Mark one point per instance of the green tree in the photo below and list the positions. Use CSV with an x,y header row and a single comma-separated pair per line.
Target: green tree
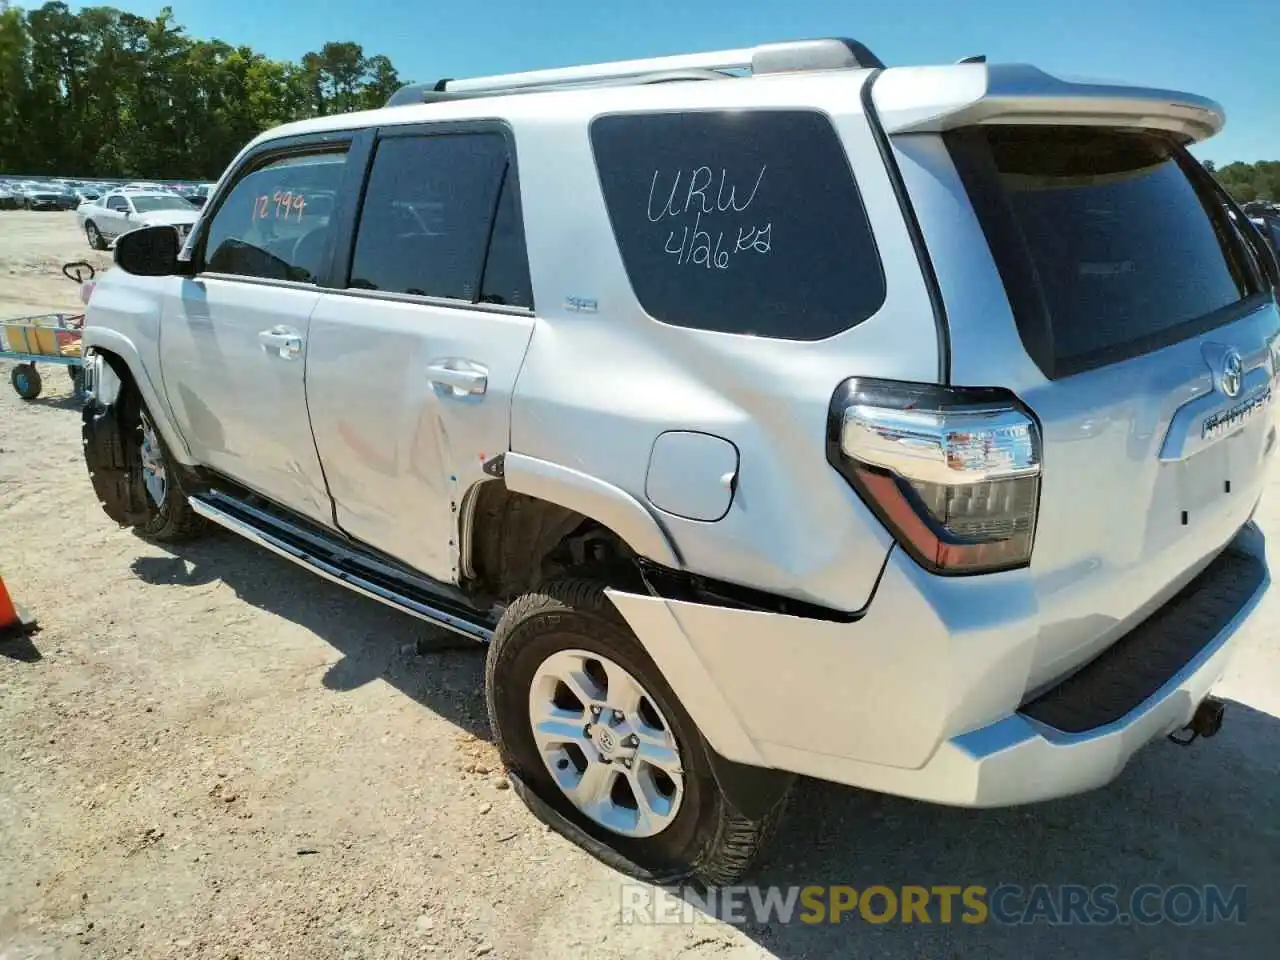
x,y
103,92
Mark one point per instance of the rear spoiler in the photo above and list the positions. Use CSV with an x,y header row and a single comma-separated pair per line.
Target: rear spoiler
x,y
935,99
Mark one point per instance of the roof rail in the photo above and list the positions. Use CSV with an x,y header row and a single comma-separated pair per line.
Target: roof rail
x,y
786,57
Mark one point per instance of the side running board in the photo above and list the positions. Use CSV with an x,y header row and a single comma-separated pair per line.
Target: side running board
x,y
339,562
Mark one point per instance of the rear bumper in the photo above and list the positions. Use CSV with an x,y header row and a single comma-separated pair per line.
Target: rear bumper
x,y
888,702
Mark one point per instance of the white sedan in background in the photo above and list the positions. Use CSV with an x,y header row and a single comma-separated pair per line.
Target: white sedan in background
x,y
120,211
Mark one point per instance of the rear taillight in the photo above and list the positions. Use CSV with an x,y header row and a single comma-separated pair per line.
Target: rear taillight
x,y
953,472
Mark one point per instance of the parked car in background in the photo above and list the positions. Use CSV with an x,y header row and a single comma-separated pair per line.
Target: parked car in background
x,y
87,195
8,199
1268,224
47,196
123,210
200,194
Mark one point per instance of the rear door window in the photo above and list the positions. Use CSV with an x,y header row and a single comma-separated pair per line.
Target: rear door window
x,y
739,222
427,218
1108,246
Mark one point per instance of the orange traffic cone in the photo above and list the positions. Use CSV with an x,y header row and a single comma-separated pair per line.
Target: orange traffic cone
x,y
12,621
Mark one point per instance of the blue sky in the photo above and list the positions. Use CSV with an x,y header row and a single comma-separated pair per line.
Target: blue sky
x,y
1227,50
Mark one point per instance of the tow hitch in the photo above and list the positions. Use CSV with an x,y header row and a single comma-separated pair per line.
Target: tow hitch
x,y
1205,722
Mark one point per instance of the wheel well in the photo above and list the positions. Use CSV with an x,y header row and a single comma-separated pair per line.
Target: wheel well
x,y
106,393
511,542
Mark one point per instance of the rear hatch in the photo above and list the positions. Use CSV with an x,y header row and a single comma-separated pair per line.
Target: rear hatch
x,y
1140,330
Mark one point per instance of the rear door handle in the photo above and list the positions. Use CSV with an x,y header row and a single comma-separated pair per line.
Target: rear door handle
x,y
463,378
284,342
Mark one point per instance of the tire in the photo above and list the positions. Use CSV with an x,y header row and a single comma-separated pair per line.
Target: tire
x,y
114,440
26,381
94,235
707,839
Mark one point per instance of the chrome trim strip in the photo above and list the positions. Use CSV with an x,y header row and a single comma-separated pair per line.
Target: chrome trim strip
x,y
357,584
963,445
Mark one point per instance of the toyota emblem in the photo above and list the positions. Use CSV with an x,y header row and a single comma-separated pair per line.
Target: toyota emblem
x,y
1232,373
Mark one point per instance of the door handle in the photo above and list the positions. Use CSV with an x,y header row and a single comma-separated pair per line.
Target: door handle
x,y
286,343
462,377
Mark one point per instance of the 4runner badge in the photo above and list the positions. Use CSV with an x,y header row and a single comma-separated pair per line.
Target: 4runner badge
x,y
1229,420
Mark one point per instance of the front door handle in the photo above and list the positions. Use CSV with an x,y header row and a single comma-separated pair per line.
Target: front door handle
x,y
284,342
463,378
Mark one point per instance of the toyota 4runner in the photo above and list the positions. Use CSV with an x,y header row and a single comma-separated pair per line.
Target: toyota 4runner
x,y
767,412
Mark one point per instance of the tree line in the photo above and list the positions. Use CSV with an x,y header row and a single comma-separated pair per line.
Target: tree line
x,y
105,93
1249,181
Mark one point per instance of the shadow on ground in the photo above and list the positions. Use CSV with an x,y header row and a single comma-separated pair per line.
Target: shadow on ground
x,y
21,647
64,401
1200,816
439,669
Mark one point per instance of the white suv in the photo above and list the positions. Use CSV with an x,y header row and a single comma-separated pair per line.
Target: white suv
x,y
769,412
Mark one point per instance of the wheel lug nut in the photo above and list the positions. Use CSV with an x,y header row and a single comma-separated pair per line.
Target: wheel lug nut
x,y
632,741
618,716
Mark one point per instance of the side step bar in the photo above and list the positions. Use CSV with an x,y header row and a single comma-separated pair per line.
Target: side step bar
x,y
340,564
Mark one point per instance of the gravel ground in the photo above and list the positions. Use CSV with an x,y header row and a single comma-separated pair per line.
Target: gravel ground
x,y
207,752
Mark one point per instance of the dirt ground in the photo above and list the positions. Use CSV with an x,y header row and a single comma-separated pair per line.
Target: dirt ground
x,y
207,752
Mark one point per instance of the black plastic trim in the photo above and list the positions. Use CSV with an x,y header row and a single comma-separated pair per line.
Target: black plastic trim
x,y
1140,663
684,586
899,185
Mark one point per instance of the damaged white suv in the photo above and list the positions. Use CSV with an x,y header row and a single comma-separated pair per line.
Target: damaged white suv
x,y
768,412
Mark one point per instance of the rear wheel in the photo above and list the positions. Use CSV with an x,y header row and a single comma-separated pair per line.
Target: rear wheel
x,y
584,718
26,381
94,236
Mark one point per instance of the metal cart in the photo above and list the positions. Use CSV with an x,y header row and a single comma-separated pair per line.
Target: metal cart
x,y
45,338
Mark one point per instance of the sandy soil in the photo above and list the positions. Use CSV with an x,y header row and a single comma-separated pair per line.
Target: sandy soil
x,y
207,752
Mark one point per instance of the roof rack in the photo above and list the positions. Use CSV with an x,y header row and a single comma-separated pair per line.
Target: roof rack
x,y
835,53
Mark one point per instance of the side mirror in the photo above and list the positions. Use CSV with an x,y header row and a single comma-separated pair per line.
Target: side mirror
x,y
149,251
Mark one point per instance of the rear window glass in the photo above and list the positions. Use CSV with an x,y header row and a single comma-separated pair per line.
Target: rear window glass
x,y
739,222
1120,247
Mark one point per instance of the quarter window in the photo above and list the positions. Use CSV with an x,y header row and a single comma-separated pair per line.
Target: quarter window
x,y
275,222
429,216
739,222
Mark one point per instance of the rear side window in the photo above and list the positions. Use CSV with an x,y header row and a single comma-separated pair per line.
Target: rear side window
x,y
1107,245
432,208
739,222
